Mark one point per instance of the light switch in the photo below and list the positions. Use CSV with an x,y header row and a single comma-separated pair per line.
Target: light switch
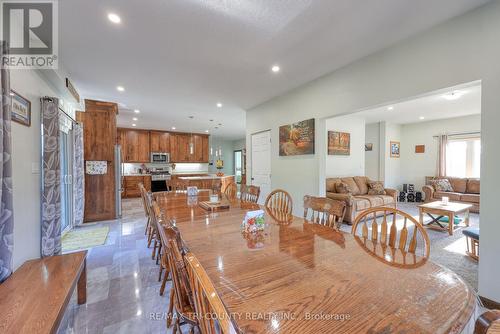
x,y
35,168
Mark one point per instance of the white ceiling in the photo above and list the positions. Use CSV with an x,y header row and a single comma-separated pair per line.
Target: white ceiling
x,y
432,107
177,58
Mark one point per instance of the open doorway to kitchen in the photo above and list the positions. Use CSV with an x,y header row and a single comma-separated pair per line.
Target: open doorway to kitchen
x,y
238,166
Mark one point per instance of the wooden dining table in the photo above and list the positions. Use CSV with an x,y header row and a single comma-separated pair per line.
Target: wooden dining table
x,y
299,277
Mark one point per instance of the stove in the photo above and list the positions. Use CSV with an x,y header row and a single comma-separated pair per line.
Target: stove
x,y
158,178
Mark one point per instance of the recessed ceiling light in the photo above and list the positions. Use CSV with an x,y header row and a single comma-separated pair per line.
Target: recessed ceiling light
x,y
173,128
137,111
421,118
219,105
135,119
275,68
114,18
453,95
390,108
206,131
120,88
11,94
134,124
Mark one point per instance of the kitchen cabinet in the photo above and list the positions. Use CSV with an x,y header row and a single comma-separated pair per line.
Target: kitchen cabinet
x,y
131,185
159,141
137,145
134,145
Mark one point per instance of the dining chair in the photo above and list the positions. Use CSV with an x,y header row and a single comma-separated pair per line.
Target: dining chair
x,y
216,186
231,191
143,192
279,200
488,323
392,228
181,294
206,300
250,193
155,237
324,211
176,185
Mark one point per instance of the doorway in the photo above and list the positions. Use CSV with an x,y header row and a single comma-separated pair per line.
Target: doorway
x,y
238,166
66,170
261,163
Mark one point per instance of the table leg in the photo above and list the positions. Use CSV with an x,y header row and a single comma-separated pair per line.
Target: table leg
x,y
467,215
451,223
82,285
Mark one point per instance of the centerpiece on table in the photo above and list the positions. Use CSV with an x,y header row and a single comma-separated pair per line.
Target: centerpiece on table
x,y
253,222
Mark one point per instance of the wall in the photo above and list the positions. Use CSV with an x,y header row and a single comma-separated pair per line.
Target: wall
x,y
372,158
353,164
416,166
227,155
25,156
461,50
392,165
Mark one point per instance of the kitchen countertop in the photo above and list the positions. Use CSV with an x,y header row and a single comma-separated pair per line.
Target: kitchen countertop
x,y
208,177
137,174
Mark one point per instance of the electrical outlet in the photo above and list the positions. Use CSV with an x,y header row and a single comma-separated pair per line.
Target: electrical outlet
x,y
35,168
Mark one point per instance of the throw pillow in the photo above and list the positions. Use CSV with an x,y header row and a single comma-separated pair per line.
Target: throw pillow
x,y
442,185
376,188
343,188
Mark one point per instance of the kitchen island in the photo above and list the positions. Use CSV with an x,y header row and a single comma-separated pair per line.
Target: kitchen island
x,y
206,181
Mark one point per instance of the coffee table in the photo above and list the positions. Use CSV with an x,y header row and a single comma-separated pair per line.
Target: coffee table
x,y
437,210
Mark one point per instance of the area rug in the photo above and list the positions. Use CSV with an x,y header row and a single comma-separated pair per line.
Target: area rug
x,y
84,237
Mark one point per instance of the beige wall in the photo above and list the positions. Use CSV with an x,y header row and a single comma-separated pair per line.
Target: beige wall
x,y
461,50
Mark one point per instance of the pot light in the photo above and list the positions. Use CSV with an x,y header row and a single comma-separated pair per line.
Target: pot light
x,y
120,88
137,111
390,108
135,119
453,95
275,68
134,125
219,105
114,18
206,131
173,128
421,118
11,94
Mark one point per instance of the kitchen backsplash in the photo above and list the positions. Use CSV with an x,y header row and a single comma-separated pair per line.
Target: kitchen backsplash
x,y
133,168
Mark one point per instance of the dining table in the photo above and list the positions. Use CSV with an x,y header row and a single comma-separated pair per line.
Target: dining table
x,y
299,277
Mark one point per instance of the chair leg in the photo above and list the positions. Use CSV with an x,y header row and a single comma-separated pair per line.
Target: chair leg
x,y
170,308
153,254
150,237
160,272
147,227
164,282
158,253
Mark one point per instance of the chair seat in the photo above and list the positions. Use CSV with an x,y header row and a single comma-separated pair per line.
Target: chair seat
x,y
472,232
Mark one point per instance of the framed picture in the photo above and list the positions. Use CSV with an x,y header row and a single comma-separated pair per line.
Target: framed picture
x,y
419,148
369,147
297,138
339,143
395,148
20,109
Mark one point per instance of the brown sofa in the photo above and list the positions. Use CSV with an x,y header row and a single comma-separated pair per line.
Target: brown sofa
x,y
465,190
359,200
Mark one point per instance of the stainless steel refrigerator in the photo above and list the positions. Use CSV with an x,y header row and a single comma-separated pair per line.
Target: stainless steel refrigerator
x,y
118,180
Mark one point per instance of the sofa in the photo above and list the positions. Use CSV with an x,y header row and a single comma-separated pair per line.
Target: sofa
x,y
358,199
465,190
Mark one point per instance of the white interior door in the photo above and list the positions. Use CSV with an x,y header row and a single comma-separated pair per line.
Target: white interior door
x,y
261,163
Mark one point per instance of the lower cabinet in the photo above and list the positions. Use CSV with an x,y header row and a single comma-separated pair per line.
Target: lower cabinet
x,y
131,185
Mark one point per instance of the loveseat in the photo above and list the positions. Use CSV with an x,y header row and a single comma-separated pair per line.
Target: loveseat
x,y
464,190
358,199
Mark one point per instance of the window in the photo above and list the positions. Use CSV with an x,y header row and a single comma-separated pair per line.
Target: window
x,y
463,157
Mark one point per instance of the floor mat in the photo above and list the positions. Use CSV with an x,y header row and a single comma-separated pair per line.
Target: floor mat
x,y
84,237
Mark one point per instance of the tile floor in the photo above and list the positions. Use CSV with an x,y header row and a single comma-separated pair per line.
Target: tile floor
x,y
122,279
122,283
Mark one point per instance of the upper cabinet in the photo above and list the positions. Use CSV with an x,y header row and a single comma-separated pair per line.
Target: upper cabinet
x,y
159,141
138,144
134,145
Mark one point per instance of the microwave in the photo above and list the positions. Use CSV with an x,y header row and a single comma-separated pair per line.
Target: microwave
x,y
160,158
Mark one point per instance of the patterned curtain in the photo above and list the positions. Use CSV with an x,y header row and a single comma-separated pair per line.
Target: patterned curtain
x,y
78,176
51,176
6,217
443,141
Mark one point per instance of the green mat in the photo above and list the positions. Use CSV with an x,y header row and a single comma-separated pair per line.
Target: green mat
x,y
457,220
84,237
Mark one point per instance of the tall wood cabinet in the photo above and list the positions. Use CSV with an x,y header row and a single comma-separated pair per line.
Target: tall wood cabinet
x,y
99,133
159,141
134,145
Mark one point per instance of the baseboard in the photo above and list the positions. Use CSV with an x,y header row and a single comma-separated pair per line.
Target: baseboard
x,y
490,304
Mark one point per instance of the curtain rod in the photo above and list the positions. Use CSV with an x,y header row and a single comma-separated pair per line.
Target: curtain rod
x,y
460,134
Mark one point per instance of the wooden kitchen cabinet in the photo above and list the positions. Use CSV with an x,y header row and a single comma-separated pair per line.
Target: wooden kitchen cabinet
x,y
131,185
179,148
134,145
159,141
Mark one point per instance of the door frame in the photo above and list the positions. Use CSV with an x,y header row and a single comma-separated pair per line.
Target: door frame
x,y
251,158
